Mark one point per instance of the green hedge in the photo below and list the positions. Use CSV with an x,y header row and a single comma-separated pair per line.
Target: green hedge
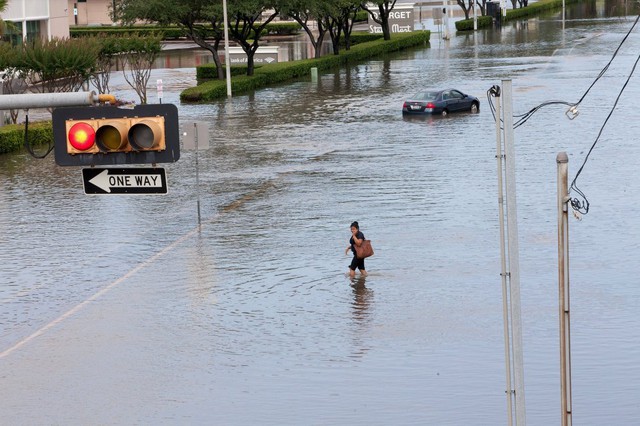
x,y
537,8
167,33
523,12
209,71
362,15
358,37
175,32
286,71
467,24
12,135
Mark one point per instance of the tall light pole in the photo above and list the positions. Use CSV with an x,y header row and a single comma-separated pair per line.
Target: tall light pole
x,y
227,61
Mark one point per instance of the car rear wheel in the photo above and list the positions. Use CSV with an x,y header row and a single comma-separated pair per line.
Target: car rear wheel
x,y
474,108
444,113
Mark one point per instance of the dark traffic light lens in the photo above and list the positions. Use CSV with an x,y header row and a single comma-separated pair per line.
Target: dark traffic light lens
x,y
141,136
147,134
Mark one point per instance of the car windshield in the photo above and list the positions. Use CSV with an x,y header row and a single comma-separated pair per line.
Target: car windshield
x,y
425,96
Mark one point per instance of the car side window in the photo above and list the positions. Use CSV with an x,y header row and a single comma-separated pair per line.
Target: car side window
x,y
445,96
456,94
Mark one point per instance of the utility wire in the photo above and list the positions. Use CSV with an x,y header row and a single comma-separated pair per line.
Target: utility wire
x,y
580,204
522,118
27,143
606,67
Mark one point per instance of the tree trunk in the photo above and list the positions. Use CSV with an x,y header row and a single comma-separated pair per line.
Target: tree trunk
x,y
250,65
318,46
322,31
384,18
385,29
214,53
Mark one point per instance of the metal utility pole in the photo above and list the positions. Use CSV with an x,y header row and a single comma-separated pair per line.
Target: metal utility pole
x,y
227,60
503,261
445,19
514,338
475,16
562,161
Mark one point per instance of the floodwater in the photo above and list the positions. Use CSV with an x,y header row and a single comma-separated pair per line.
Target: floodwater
x,y
121,310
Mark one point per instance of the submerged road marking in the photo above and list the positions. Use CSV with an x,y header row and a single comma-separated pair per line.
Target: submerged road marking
x,y
100,292
223,209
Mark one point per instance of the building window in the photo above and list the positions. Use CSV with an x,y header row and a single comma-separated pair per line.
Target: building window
x,y
33,30
13,34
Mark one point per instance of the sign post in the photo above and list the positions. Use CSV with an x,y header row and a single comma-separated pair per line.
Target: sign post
x,y
196,136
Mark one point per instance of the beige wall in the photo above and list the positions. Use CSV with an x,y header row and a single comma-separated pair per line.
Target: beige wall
x,y
51,15
58,19
93,12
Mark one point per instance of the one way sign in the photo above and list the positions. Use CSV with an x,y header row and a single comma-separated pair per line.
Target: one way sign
x,y
124,181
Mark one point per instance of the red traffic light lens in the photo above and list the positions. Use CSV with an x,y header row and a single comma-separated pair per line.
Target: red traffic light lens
x,y
82,136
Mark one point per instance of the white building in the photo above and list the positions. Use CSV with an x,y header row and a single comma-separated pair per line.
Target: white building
x,y
38,18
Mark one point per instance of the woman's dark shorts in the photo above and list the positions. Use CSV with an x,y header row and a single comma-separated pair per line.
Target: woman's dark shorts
x,y
357,263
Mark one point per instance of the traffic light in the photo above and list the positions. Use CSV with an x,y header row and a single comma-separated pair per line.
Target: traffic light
x,y
103,135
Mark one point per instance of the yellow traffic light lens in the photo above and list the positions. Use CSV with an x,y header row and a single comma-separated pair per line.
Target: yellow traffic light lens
x,y
110,138
82,136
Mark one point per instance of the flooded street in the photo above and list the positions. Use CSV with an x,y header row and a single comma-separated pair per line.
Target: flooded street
x,y
122,310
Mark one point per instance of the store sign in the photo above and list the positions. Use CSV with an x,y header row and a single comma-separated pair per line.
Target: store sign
x,y
401,19
263,56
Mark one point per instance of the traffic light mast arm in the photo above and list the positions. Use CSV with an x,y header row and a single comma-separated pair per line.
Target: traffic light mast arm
x,y
51,100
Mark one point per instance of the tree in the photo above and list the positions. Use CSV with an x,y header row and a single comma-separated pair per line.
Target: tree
x,y
483,6
200,20
3,7
338,17
247,20
58,65
349,10
138,53
466,7
12,74
303,12
381,16
334,21
107,58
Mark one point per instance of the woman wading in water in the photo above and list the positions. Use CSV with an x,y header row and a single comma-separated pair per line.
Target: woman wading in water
x,y
357,238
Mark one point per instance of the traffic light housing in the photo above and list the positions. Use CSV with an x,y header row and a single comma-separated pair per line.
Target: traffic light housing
x,y
107,135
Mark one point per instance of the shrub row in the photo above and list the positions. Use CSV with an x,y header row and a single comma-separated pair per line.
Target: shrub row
x,y
362,37
12,135
175,32
537,8
286,71
361,15
523,12
467,24
209,71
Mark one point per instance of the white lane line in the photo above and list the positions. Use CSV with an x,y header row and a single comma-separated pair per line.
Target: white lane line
x,y
98,294
129,274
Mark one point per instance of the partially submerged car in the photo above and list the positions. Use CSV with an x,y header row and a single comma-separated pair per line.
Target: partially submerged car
x,y
440,102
